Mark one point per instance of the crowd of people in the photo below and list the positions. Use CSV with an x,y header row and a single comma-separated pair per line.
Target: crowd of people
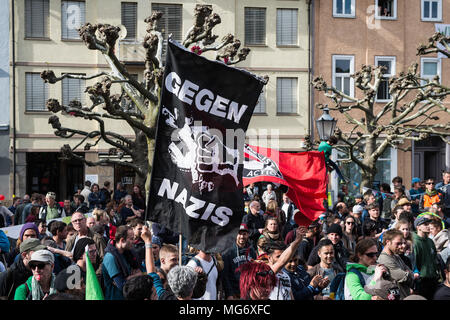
x,y
379,245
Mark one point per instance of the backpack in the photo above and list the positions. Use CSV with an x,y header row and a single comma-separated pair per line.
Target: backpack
x,y
338,283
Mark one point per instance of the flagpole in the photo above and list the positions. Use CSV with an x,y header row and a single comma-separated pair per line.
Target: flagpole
x,y
180,241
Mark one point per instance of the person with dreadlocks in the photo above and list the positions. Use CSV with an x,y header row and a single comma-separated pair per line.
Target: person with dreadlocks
x,y
257,281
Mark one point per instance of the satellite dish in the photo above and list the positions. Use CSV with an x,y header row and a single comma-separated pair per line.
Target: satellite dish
x,y
122,32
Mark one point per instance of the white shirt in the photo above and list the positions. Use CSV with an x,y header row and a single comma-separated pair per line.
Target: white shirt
x,y
282,290
211,289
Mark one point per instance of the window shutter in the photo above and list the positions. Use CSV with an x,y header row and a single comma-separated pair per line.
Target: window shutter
x,y
36,92
287,26
36,18
286,95
73,89
73,16
170,22
129,18
255,25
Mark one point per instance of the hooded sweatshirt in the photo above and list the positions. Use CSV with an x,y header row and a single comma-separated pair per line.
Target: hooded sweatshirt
x,y
232,259
425,253
353,288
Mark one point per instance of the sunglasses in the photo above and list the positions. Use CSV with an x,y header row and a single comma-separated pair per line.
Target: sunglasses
x,y
40,266
264,273
430,183
350,223
371,254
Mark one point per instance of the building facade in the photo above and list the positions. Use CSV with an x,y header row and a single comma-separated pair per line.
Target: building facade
x,y
277,32
350,33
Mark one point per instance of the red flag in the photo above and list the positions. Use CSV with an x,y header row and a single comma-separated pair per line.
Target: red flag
x,y
304,173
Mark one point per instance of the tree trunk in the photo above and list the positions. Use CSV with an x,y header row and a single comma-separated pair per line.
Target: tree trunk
x,y
370,170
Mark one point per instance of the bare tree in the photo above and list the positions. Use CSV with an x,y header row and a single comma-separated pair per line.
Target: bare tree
x,y
137,105
414,111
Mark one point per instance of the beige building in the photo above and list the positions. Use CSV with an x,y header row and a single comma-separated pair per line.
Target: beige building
x,y
350,33
46,38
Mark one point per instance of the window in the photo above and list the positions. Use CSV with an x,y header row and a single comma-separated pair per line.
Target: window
x,y
36,92
36,18
387,9
431,10
343,67
73,89
170,22
386,168
73,16
383,90
261,104
429,68
344,8
129,18
286,95
255,26
287,27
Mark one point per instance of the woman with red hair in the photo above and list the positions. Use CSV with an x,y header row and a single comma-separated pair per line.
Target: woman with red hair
x,y
257,281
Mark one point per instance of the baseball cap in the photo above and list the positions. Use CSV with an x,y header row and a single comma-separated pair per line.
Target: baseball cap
x,y
42,256
414,180
358,209
359,196
31,244
385,289
243,227
50,195
421,220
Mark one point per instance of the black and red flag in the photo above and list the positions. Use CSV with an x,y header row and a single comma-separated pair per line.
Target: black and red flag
x,y
304,173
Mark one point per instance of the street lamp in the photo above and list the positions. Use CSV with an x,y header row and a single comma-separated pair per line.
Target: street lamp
x,y
325,125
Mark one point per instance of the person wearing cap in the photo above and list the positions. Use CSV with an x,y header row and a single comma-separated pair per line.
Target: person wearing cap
x,y
28,230
19,271
73,278
51,209
156,246
42,283
240,253
425,255
341,254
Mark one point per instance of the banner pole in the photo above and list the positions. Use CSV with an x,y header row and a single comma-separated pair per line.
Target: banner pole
x,y
180,241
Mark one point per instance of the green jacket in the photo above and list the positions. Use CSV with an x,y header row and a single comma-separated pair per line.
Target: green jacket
x,y
21,291
326,149
426,257
353,284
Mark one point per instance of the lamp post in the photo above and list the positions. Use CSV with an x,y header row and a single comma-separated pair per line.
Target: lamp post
x,y
325,124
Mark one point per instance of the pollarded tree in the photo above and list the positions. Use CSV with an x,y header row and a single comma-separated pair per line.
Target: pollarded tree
x,y
138,102
417,109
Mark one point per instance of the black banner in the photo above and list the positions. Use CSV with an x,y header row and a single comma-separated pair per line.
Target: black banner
x,y
196,184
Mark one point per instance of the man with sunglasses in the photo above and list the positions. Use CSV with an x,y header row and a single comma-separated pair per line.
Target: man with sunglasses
x,y
430,197
425,255
42,283
19,271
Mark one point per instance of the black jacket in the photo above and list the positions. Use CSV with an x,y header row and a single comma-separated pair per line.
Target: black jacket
x,y
341,255
10,279
232,259
253,223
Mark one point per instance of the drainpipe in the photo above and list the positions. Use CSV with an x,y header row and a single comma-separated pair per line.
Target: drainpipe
x,y
13,31
311,66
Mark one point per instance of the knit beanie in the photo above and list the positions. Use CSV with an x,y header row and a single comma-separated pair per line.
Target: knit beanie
x,y
26,226
79,249
335,228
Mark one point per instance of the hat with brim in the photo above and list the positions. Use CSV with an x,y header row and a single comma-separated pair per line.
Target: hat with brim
x,y
31,244
243,227
42,256
403,201
415,180
421,220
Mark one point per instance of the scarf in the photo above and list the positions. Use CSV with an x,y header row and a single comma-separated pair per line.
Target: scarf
x,y
36,290
111,248
431,193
